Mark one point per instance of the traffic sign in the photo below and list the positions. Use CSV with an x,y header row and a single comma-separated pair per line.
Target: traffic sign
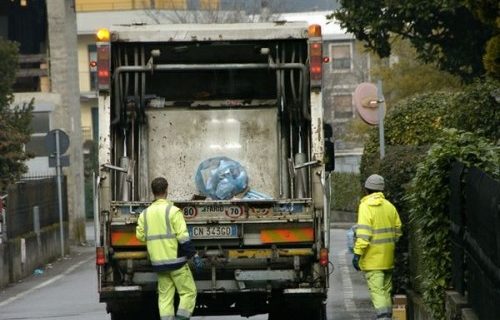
x,y
50,141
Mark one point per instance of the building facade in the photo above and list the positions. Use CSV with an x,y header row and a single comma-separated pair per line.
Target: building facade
x,y
48,75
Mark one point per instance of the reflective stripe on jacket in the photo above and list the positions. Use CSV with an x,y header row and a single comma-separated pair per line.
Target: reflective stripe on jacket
x,y
377,231
164,230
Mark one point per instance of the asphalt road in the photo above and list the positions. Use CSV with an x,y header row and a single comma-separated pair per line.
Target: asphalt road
x,y
67,290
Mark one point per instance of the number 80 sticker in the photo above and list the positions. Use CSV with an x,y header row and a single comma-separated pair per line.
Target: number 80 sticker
x,y
189,212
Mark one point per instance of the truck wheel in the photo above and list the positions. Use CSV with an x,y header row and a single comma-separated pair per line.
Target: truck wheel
x,y
318,311
118,316
315,311
131,316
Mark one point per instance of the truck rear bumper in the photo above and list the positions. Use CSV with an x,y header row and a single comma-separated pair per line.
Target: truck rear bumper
x,y
246,302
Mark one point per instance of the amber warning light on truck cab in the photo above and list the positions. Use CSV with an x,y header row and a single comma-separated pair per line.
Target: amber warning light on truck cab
x,y
315,55
102,35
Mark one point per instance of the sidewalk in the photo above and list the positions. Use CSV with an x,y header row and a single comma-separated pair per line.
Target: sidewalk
x,y
77,256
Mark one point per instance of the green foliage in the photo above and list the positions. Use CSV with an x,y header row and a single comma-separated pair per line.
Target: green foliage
x,y
399,166
478,105
449,33
14,121
492,57
417,120
8,69
346,191
427,203
413,121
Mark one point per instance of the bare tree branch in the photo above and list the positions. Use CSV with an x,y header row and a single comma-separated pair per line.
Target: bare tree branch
x,y
212,11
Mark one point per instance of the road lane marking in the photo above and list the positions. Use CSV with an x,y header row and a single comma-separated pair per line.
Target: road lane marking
x,y
44,284
347,286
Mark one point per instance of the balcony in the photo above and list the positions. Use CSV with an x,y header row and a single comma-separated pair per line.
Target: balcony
x,y
33,74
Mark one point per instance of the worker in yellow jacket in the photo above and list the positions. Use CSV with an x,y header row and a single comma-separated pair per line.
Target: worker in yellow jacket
x,y
377,231
163,228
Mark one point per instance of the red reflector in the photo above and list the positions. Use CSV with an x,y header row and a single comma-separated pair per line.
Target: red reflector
x,y
315,69
100,257
323,257
103,73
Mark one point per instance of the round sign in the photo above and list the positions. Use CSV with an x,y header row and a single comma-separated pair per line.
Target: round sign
x,y
366,103
50,141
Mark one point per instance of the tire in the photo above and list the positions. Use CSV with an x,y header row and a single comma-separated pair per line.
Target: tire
x,y
318,311
119,316
134,315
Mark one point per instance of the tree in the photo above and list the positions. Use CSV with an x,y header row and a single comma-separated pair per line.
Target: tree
x,y
14,120
451,33
403,75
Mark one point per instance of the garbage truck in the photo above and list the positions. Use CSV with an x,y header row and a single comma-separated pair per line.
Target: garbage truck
x,y
174,97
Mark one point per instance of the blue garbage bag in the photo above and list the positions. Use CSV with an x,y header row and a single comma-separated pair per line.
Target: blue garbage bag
x,y
221,178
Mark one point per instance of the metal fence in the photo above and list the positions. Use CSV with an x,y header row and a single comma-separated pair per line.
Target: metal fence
x,y
32,197
475,229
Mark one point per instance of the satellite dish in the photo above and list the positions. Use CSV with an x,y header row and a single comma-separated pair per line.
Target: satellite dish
x,y
365,101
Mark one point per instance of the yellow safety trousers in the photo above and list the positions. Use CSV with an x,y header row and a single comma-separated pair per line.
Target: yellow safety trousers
x,y
380,286
182,280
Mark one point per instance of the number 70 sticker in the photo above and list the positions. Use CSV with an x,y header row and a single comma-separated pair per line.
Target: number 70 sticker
x,y
234,211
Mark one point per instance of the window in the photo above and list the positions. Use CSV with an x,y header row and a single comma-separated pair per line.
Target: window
x,y
92,49
343,106
341,55
40,125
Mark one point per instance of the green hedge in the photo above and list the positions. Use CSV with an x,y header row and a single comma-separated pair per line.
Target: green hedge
x,y
346,191
427,201
475,109
399,167
414,121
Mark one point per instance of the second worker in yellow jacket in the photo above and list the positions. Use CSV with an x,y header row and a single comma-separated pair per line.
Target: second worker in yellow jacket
x,y
377,231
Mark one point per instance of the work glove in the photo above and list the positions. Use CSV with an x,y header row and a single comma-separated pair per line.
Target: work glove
x,y
355,261
198,263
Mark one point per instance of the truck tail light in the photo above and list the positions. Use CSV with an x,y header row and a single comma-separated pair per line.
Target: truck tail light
x,y
100,256
103,65
323,257
315,55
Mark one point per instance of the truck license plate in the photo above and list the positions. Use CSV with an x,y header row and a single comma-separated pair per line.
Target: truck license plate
x,y
213,232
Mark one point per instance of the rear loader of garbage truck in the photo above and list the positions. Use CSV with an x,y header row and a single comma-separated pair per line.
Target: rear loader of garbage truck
x,y
232,116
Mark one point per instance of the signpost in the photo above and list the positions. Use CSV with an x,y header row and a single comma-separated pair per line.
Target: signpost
x,y
57,143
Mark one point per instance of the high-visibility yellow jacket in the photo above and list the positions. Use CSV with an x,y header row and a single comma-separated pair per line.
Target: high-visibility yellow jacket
x,y
377,231
163,228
